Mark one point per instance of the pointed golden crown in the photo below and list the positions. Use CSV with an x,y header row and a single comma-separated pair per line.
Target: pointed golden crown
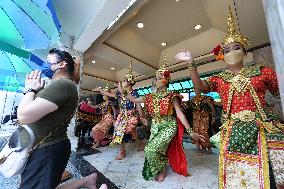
x,y
163,69
232,35
129,76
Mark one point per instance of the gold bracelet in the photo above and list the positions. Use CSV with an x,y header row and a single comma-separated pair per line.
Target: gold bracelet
x,y
189,130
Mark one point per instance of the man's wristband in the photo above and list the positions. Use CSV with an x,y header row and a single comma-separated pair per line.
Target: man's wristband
x,y
30,90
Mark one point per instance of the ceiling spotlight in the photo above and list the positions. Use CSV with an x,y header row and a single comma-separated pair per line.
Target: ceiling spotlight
x,y
197,27
112,68
176,1
163,44
140,25
93,61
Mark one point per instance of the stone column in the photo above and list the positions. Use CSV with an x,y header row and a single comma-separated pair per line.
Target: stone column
x,y
274,13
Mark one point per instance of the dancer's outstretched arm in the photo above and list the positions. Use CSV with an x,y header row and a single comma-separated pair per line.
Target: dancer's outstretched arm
x,y
109,94
186,56
129,96
184,121
135,100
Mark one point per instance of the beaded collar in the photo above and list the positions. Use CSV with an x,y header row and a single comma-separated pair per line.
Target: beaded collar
x,y
247,71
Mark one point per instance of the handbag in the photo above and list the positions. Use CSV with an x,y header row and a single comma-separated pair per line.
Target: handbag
x,y
14,155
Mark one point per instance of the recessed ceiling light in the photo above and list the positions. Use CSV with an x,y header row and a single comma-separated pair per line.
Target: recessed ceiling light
x,y
163,44
140,25
112,68
197,27
177,1
93,61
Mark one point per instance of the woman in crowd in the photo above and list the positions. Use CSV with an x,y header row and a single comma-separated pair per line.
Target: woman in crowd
x,y
48,111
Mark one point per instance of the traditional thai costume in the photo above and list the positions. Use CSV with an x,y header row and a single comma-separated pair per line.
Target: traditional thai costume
x,y
165,143
100,130
201,118
251,137
125,125
127,120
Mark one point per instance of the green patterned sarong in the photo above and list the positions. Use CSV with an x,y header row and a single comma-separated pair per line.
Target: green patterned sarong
x,y
155,151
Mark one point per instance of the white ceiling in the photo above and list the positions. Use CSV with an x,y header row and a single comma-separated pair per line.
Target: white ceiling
x,y
86,19
169,21
166,20
74,15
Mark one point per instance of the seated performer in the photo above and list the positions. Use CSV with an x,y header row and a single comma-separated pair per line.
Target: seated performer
x,y
100,130
165,143
87,117
252,144
87,106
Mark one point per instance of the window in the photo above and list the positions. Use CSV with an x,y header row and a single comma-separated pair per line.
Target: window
x,y
186,84
171,87
140,92
182,86
146,91
177,86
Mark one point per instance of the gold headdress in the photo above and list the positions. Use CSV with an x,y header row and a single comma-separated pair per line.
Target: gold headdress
x,y
129,76
164,70
232,35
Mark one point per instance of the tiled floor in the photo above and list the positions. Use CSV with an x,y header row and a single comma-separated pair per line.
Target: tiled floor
x,y
126,174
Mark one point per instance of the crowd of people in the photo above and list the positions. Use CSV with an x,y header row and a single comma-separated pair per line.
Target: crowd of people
x,y
251,138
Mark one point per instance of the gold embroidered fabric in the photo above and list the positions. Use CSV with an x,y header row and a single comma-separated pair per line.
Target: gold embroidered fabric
x,y
248,71
240,83
157,118
245,115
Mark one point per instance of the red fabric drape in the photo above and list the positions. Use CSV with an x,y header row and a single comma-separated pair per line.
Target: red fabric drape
x,y
175,153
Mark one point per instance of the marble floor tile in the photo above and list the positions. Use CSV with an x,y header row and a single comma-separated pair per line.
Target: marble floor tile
x,y
127,173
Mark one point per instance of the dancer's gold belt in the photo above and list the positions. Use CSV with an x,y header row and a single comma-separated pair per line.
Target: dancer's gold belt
x,y
245,115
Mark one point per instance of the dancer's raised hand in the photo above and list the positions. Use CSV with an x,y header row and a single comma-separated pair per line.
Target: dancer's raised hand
x,y
184,55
